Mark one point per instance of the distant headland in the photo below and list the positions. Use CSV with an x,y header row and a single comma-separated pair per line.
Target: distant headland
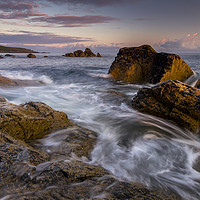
x,y
4,49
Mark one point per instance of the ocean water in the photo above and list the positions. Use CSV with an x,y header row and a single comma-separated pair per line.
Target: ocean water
x,y
133,146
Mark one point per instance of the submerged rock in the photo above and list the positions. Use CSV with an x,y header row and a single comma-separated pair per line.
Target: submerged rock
x,y
10,55
144,65
30,55
7,82
80,53
30,120
173,100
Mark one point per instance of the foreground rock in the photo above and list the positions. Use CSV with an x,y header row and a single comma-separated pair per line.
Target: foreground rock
x,y
144,65
80,53
30,120
30,55
173,100
26,173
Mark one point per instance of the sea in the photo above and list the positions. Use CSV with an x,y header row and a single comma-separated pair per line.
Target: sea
x,y
133,146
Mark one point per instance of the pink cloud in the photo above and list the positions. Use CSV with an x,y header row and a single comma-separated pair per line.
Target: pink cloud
x,y
188,43
17,6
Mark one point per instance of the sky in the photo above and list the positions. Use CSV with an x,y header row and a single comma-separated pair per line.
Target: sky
x,y
102,25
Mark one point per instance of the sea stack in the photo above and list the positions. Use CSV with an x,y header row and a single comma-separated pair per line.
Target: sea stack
x,y
144,65
80,53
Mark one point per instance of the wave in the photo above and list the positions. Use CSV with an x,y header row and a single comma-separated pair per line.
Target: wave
x,y
24,75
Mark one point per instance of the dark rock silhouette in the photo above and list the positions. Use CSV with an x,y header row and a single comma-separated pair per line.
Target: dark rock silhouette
x,y
30,55
80,53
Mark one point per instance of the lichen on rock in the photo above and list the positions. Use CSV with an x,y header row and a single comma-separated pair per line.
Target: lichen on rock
x,y
144,65
173,100
30,120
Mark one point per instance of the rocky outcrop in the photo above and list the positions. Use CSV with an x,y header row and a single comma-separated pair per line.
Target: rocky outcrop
x,y
198,84
89,53
30,120
173,100
58,171
26,173
30,55
99,55
144,65
10,55
80,53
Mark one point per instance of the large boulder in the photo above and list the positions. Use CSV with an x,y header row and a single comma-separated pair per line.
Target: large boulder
x,y
173,100
30,120
144,65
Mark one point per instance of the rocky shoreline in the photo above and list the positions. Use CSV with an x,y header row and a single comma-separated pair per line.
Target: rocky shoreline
x,y
65,171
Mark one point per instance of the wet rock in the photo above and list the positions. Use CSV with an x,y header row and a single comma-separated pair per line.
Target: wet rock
x,y
24,170
198,84
1,56
30,55
144,65
99,55
76,142
106,187
10,55
14,153
30,120
173,100
46,56
7,82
